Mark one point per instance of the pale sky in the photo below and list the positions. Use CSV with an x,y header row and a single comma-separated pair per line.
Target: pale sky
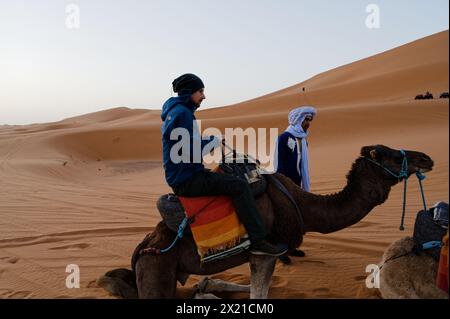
x,y
126,53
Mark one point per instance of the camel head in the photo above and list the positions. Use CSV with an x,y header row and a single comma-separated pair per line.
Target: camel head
x,y
392,159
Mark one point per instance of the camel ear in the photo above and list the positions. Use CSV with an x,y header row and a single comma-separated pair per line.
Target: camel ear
x,y
371,151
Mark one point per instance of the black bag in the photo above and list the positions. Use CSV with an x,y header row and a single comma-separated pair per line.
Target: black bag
x,y
431,225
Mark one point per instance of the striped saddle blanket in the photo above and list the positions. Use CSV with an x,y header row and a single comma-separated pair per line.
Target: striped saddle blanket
x,y
215,226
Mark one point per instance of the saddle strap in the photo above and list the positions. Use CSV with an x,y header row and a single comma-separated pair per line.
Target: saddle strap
x,y
284,190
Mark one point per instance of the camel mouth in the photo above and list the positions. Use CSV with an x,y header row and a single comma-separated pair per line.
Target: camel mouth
x,y
424,170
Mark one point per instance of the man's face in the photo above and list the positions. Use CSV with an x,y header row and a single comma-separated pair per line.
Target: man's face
x,y
198,96
306,123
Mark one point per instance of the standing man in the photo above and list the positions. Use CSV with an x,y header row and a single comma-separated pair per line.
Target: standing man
x,y
189,177
292,154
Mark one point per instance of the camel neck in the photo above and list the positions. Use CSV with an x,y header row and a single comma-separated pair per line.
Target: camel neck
x,y
367,187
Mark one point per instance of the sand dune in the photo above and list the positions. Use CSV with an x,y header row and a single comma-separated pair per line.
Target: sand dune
x,y
83,190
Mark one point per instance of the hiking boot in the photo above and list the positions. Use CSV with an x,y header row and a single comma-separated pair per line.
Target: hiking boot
x,y
297,253
263,247
285,259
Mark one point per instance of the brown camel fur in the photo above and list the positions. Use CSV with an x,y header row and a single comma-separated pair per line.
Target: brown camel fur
x,y
368,185
409,277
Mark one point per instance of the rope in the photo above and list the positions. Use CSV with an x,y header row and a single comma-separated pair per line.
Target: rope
x,y
415,250
179,235
157,251
283,189
431,244
420,178
404,174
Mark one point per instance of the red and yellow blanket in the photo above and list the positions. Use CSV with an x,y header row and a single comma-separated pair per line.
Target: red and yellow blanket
x,y
214,223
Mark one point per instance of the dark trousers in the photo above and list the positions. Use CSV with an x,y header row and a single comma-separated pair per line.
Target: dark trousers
x,y
206,183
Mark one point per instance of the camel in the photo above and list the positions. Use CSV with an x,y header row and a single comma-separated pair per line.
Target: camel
x,y
428,96
412,276
368,185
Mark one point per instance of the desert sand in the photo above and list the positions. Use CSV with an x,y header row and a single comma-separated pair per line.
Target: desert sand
x,y
83,190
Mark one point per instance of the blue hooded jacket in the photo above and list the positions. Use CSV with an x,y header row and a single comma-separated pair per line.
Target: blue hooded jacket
x,y
178,113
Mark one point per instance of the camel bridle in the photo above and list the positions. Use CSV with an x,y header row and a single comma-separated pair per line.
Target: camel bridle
x,y
403,174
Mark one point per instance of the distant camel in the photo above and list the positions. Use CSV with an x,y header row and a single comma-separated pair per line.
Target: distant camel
x,y
426,96
368,185
444,95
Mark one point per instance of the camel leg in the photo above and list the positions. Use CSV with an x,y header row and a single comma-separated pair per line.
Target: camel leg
x,y
207,285
218,285
200,295
156,276
261,268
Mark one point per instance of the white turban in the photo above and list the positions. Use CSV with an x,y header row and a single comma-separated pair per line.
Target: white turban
x,y
296,116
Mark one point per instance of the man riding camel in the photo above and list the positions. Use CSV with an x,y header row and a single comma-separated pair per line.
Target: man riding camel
x,y
292,154
189,178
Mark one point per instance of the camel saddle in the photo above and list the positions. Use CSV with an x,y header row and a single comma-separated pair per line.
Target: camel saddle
x,y
173,212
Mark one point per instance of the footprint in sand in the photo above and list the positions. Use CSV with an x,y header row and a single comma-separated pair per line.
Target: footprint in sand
x,y
359,278
4,293
278,281
92,284
2,270
321,291
314,262
20,295
10,260
11,294
71,247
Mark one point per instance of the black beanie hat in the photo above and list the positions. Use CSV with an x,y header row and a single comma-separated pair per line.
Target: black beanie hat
x,y
187,84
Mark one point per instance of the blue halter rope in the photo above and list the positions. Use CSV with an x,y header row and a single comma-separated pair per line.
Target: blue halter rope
x,y
179,235
404,174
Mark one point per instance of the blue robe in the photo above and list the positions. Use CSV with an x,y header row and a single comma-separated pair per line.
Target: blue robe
x,y
288,159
